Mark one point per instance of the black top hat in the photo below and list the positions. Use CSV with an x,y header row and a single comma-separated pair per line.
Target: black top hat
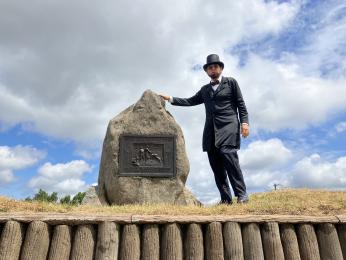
x,y
213,59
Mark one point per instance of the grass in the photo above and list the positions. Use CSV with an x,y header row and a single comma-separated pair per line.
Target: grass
x,y
280,202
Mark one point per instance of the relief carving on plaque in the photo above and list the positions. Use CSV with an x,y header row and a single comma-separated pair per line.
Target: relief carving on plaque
x,y
142,155
145,157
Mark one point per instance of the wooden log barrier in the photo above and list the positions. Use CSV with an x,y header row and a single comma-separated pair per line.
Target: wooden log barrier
x,y
193,242
271,241
252,242
92,218
214,241
11,240
150,242
342,238
328,242
307,241
60,247
130,243
289,242
167,237
232,241
36,242
171,247
84,243
107,240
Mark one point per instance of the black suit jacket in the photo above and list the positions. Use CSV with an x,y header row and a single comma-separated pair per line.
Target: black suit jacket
x,y
222,108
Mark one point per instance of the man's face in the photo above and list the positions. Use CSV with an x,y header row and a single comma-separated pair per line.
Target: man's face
x,y
214,71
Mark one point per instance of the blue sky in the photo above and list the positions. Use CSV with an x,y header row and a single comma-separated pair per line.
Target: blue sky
x,y
67,68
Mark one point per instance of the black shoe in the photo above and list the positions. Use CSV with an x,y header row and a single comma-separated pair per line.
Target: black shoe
x,y
243,200
223,202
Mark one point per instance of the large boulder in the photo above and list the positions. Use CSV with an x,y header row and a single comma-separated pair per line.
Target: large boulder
x,y
146,117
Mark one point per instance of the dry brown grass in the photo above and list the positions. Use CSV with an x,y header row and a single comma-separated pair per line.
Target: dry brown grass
x,y
281,202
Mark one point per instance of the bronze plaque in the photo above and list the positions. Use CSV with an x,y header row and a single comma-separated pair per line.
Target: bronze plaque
x,y
147,155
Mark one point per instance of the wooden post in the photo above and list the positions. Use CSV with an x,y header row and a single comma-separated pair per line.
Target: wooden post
x,y
130,243
307,240
193,242
271,241
328,242
150,242
36,243
213,241
342,238
252,242
60,247
232,241
11,240
171,242
84,243
289,242
107,240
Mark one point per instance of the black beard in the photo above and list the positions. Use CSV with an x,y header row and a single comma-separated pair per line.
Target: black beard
x,y
214,76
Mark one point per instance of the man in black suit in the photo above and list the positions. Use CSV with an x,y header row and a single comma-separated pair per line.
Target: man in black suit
x,y
224,106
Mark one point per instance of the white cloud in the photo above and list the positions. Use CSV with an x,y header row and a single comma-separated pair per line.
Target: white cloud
x,y
62,178
314,171
311,171
269,154
265,179
289,93
325,50
299,88
340,127
268,162
6,176
279,96
271,162
73,169
69,67
262,161
63,77
17,158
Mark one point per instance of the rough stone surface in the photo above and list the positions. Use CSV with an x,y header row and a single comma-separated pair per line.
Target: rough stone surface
x,y
91,197
146,117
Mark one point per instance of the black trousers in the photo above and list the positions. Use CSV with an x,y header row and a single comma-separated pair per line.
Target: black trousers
x,y
224,162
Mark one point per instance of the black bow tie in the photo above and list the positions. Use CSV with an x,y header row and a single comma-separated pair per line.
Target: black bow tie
x,y
216,82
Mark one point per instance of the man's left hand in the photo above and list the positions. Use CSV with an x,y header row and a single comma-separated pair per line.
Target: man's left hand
x,y
245,130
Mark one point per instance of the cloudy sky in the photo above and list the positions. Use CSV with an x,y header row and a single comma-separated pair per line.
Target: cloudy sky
x,y
68,67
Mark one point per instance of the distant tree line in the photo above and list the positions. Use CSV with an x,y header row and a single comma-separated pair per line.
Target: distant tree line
x,y
42,195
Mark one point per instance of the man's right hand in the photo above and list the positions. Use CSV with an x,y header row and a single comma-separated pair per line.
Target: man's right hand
x,y
165,97
245,130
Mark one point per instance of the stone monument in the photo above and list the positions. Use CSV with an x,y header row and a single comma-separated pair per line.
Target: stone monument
x,y
143,157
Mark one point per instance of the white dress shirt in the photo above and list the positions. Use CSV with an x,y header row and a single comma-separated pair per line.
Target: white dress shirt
x,y
216,86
